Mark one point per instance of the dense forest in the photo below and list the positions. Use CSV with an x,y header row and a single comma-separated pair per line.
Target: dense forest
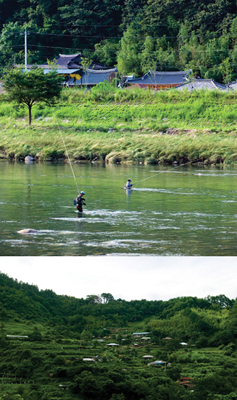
x,y
101,348
135,35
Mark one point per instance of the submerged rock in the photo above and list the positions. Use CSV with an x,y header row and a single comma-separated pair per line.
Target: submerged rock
x,y
27,231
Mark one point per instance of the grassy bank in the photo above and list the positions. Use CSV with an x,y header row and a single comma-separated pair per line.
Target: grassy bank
x,y
130,125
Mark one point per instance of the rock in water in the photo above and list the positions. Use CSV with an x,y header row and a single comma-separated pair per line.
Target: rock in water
x,y
29,159
26,231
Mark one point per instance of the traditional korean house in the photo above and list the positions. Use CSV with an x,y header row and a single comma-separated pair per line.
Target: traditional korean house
x,y
92,77
198,84
71,67
160,79
74,61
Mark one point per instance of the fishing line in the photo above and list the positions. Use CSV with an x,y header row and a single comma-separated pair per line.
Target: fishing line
x,y
145,179
67,154
152,176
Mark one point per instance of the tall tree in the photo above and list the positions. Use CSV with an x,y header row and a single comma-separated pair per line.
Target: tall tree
x,y
128,55
27,88
107,297
11,44
93,299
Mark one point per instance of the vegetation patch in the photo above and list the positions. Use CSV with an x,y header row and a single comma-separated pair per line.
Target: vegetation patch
x,y
167,127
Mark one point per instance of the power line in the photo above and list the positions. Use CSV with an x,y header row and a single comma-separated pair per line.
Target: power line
x,y
73,36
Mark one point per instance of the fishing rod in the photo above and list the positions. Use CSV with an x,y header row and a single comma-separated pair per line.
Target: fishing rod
x,y
67,154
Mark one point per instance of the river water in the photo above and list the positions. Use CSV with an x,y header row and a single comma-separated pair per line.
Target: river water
x,y
171,211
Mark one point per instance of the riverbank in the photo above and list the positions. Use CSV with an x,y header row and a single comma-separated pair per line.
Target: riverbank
x,y
132,125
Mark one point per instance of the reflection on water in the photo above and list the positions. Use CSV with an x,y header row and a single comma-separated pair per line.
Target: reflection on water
x,y
175,211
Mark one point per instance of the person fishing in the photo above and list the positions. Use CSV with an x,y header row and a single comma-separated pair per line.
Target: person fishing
x,y
80,201
129,184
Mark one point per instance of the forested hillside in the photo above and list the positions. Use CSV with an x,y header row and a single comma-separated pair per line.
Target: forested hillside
x,y
135,35
186,317
101,348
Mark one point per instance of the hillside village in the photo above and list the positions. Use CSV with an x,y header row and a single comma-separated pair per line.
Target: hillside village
x,y
71,68
62,347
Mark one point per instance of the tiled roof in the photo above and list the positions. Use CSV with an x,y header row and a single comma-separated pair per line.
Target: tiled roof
x,y
201,84
71,61
161,78
63,60
233,85
74,61
93,77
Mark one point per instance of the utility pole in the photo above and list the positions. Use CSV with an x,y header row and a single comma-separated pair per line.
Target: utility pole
x,y
25,49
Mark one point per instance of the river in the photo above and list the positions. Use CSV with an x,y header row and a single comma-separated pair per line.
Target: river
x,y
171,211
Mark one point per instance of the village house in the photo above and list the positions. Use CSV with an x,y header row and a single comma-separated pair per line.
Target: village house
x,y
159,363
112,344
92,77
186,382
197,84
147,357
140,334
159,79
16,337
70,66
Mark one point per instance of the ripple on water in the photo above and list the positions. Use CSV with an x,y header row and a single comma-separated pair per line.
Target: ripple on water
x,y
14,242
194,214
220,174
229,201
58,232
111,213
168,191
68,243
124,243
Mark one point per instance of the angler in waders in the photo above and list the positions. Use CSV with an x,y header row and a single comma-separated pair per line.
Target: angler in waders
x,y
80,201
129,184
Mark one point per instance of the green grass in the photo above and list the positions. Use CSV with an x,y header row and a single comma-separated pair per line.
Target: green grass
x,y
130,125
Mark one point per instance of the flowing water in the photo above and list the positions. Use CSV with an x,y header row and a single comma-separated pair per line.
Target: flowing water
x,y
171,211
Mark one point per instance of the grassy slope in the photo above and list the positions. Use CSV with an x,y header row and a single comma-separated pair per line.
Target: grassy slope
x,y
129,125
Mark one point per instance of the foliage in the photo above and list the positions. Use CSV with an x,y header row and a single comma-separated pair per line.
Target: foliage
x,y
105,52
135,35
128,55
31,87
113,125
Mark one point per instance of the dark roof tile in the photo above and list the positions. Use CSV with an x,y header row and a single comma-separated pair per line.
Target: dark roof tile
x,y
161,78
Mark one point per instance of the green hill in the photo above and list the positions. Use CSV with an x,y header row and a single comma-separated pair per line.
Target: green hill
x,y
60,347
135,35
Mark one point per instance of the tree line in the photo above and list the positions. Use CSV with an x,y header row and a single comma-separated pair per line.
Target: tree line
x,y
134,35
209,321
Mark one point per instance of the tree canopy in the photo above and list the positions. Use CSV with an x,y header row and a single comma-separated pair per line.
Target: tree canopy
x,y
27,88
133,34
